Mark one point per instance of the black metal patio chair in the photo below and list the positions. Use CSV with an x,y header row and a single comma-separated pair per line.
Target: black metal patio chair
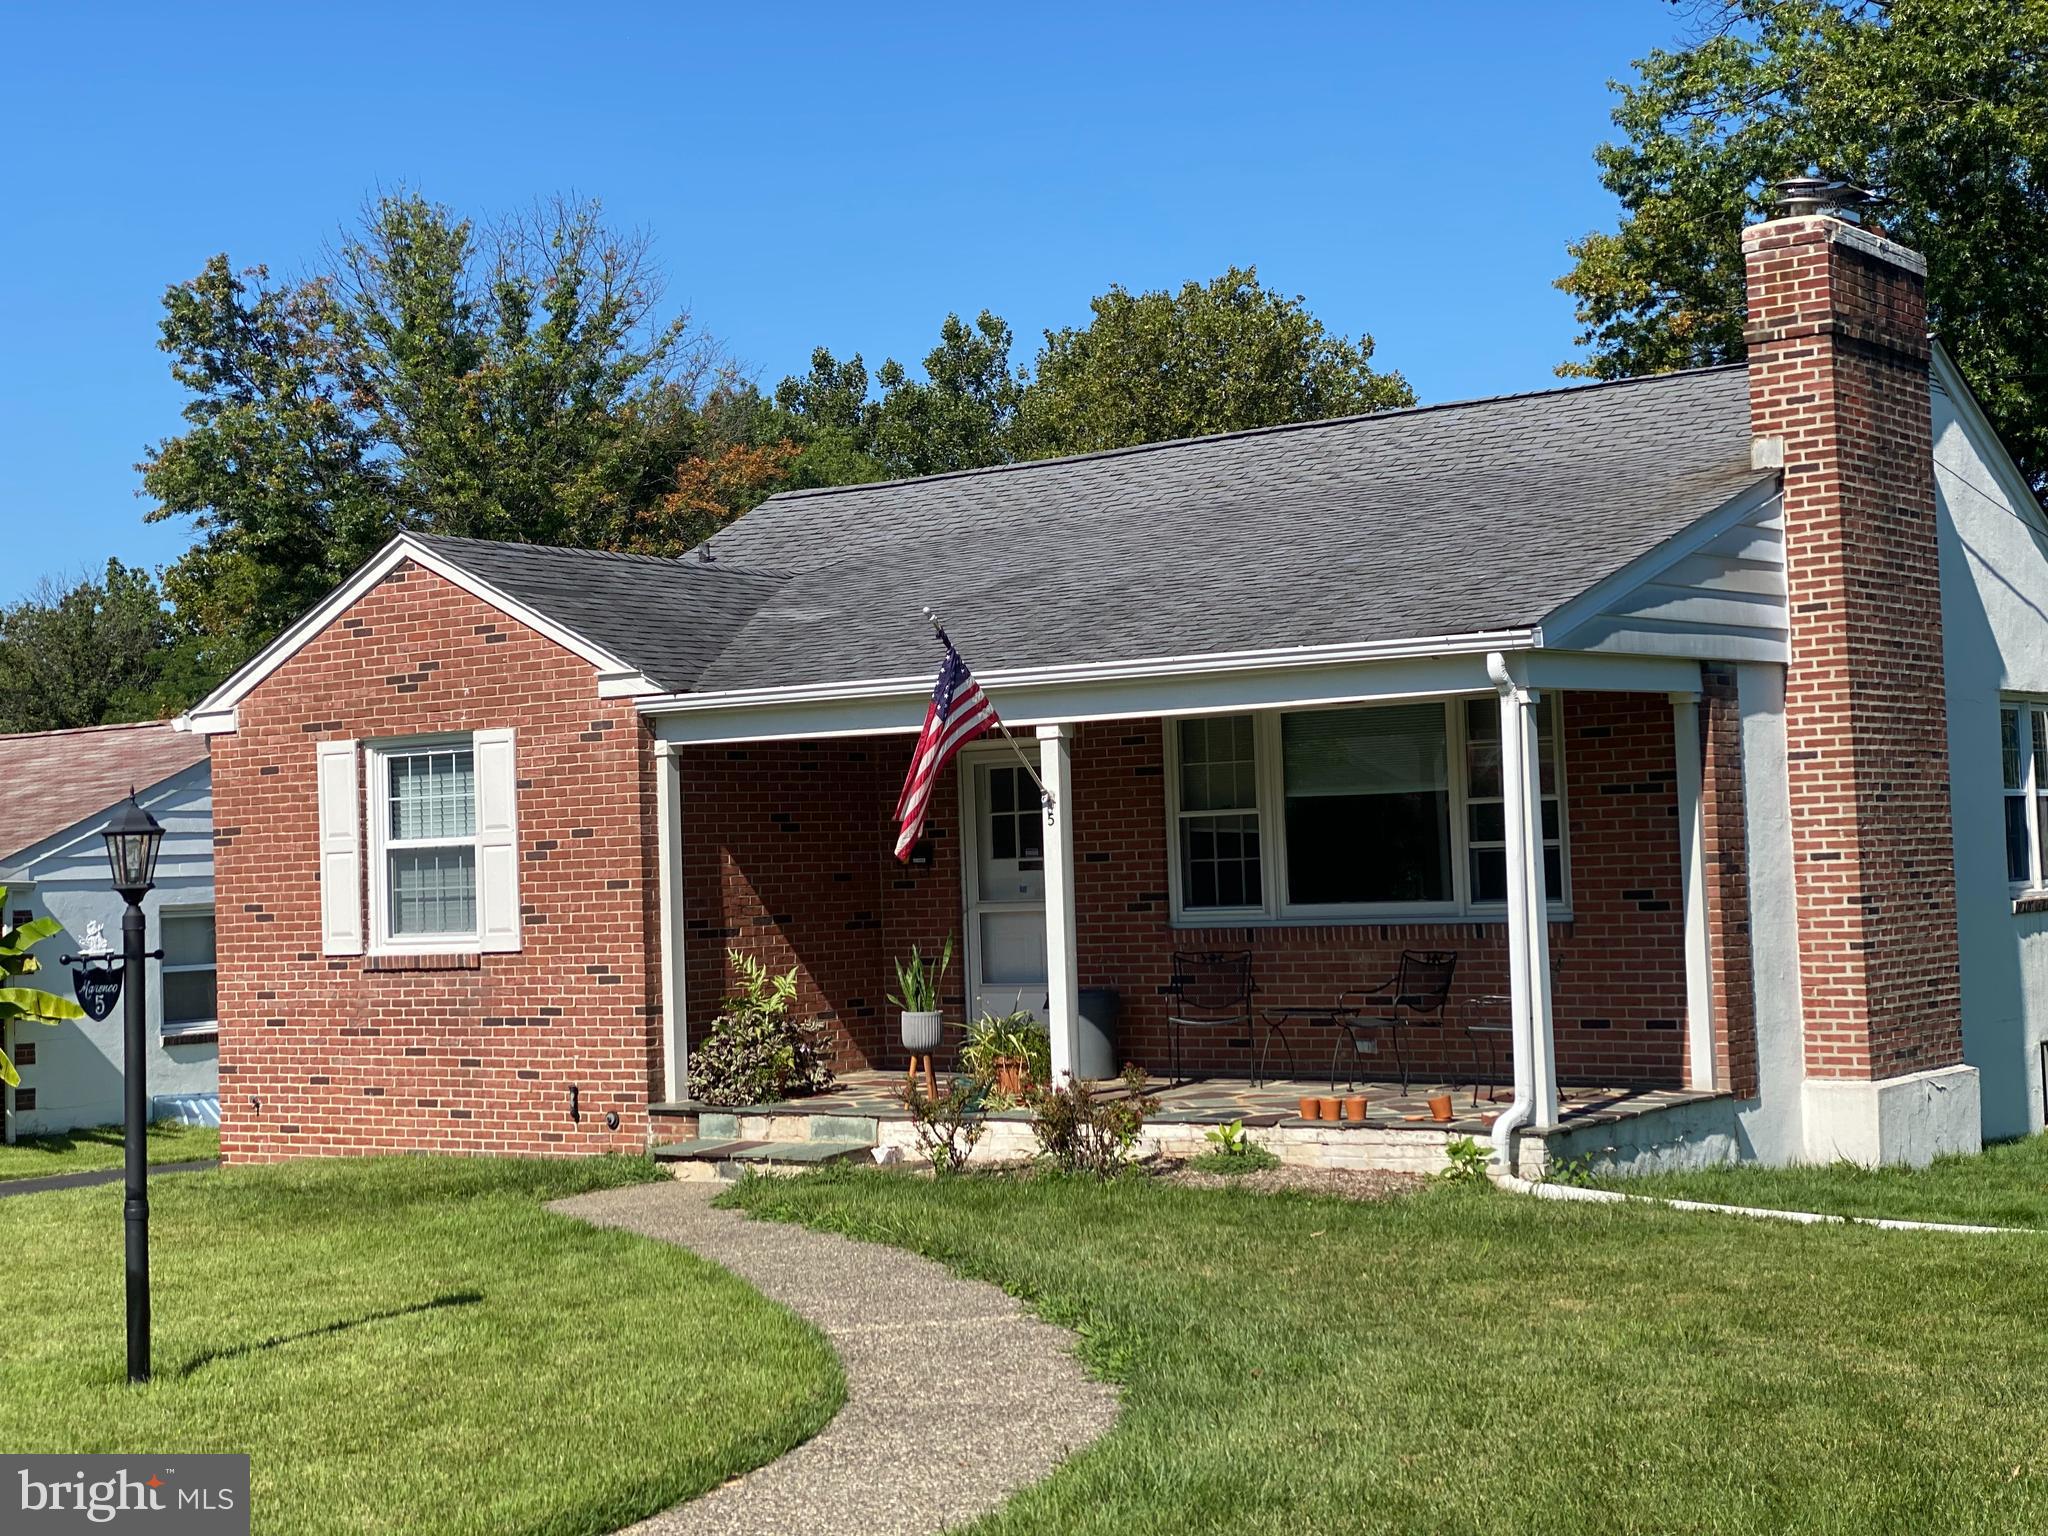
x,y
1415,996
1209,989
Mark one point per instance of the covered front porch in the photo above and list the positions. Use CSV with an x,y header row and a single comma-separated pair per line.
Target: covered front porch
x,y
1538,816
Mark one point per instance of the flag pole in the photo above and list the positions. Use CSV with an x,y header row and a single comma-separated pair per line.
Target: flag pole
x,y
1044,794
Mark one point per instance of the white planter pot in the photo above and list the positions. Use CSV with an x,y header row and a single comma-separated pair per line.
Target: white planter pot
x,y
921,1031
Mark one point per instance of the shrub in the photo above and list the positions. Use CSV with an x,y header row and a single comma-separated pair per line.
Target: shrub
x,y
1468,1160
1084,1133
758,1050
947,1126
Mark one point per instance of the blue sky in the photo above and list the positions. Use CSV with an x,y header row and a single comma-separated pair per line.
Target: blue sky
x,y
836,174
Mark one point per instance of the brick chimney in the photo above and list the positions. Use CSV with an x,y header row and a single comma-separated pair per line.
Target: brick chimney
x,y
1838,391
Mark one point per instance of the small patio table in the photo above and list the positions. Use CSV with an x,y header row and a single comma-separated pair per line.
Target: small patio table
x,y
1494,1030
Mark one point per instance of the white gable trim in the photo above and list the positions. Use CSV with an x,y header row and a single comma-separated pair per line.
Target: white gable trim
x,y
616,678
1949,380
1727,605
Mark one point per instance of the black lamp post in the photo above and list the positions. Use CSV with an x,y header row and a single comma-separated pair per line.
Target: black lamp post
x,y
133,839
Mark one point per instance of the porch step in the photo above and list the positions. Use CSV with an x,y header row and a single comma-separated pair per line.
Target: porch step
x,y
731,1159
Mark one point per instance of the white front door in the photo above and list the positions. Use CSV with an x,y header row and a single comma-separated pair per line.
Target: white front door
x,y
1003,840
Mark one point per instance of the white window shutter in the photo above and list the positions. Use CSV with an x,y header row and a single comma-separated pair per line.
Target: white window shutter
x,y
497,841
341,850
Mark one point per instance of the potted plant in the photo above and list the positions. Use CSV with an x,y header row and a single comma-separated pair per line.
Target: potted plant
x,y
1009,1051
917,994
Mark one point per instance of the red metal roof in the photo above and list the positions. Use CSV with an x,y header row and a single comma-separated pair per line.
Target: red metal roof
x,y
50,780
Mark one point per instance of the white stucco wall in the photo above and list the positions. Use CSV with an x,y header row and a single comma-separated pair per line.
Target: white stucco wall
x,y
1994,603
77,1073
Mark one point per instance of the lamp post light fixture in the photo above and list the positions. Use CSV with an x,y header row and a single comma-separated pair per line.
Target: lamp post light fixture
x,y
134,838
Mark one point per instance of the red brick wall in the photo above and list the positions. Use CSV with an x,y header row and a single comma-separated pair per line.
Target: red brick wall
x,y
325,1055
1838,357
787,852
1724,822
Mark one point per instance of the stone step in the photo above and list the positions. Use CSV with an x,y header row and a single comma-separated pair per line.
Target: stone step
x,y
732,1159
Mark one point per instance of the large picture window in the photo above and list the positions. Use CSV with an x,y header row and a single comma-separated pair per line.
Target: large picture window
x,y
1384,810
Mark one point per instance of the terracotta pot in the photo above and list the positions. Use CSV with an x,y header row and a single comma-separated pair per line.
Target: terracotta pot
x,y
1010,1075
1332,1109
1354,1107
1310,1107
1440,1106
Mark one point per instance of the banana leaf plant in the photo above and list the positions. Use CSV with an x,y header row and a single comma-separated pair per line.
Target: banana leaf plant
x,y
26,1002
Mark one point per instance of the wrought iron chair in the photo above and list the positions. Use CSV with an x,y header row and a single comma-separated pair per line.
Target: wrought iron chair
x,y
1209,989
1415,996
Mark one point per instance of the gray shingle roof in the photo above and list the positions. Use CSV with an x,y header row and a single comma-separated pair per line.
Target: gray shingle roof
x,y
1444,520
668,618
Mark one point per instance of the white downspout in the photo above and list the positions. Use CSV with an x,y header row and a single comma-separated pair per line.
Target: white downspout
x,y
1513,801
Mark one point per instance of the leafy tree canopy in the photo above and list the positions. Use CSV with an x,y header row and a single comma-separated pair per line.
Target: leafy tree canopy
x,y
1215,357
520,382
1938,107
99,651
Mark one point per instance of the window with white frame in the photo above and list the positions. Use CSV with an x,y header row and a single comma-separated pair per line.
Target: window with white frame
x,y
423,838
188,972
2023,750
1382,810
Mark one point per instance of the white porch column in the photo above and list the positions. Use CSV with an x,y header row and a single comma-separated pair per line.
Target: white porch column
x,y
1521,768
675,1008
1062,962
1702,1069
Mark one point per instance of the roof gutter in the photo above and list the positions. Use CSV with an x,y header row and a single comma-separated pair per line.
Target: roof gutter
x,y
1146,669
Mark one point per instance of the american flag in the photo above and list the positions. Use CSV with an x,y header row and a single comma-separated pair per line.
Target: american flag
x,y
959,712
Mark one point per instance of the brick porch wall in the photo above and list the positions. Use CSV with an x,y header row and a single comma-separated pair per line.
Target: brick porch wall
x,y
786,850
323,1055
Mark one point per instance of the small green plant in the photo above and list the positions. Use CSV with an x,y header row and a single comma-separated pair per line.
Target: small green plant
x,y
30,1003
1468,1160
1080,1131
1229,1138
1576,1171
1235,1151
918,979
758,1050
948,1125
995,1038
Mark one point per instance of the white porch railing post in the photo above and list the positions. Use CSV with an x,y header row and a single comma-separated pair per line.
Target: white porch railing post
x,y
1702,1066
1062,962
675,1009
1521,769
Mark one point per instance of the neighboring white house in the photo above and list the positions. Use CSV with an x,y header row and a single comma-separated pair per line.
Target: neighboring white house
x,y
56,791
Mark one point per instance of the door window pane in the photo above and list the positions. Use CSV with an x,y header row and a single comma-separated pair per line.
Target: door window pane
x,y
1367,805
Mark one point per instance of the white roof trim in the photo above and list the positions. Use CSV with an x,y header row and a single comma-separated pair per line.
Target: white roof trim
x,y
617,679
1152,668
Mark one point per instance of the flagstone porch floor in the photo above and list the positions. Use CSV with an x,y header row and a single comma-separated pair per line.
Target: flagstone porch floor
x,y
1276,1103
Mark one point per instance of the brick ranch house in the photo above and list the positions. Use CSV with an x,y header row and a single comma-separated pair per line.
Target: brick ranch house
x,y
1705,716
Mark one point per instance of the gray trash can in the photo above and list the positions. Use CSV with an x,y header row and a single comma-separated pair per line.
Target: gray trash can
x,y
1097,1054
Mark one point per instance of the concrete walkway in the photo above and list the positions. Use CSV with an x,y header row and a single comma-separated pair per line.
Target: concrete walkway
x,y
43,1183
956,1397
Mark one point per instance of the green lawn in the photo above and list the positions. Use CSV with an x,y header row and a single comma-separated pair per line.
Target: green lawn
x,y
100,1146
1465,1360
405,1345
2005,1185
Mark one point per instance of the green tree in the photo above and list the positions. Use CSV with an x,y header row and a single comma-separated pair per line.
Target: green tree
x,y
1214,357
1938,107
520,382
26,1003
98,651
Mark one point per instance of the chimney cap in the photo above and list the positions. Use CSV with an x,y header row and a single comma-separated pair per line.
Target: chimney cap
x,y
1800,197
